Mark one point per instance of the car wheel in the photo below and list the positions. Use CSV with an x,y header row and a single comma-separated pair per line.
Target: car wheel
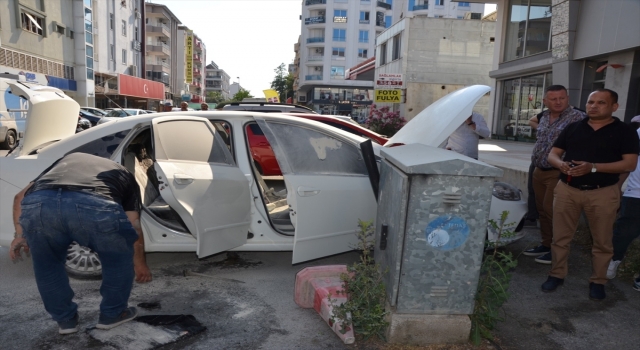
x,y
82,262
9,140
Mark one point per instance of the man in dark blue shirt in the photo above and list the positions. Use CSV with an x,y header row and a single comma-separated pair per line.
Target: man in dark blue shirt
x,y
95,202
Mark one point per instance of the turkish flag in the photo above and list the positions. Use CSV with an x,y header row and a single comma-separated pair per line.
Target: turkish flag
x,y
138,87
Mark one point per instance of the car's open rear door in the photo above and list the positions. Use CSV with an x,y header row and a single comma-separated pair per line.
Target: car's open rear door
x,y
201,182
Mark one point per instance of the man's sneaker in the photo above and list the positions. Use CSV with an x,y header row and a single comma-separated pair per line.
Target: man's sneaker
x,y
107,322
69,326
596,291
636,283
537,251
613,268
544,259
552,284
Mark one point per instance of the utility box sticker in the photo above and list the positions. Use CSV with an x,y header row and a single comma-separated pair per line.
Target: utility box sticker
x,y
447,232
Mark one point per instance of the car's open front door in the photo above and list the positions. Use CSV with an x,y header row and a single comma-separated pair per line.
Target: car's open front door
x,y
328,187
200,181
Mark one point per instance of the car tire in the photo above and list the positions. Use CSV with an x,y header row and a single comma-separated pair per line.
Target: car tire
x,y
82,262
10,140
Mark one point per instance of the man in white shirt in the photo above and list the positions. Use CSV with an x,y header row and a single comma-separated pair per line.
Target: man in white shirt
x,y
627,226
465,139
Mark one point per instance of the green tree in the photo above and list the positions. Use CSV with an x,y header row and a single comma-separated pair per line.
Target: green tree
x,y
283,83
241,95
214,97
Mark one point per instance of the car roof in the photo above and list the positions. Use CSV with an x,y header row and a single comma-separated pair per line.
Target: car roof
x,y
264,106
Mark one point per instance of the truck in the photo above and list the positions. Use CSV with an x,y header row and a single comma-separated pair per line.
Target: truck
x,y
13,112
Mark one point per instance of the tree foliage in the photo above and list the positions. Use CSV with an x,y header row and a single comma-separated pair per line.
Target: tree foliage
x,y
283,83
214,97
241,95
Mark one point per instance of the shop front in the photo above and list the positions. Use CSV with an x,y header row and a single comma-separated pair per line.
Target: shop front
x,y
341,101
131,92
520,100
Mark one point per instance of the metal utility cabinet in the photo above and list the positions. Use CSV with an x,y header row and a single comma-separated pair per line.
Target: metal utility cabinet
x,y
430,231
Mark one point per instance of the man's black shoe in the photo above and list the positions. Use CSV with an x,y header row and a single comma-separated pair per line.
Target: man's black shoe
x,y
596,291
537,251
552,284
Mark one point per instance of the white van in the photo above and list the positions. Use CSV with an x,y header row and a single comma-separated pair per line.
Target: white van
x,y
13,112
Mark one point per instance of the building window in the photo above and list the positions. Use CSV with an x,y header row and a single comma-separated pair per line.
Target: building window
x,y
337,52
387,21
463,4
439,3
337,72
396,47
362,53
339,35
124,56
521,100
383,54
363,36
111,21
32,23
135,32
364,17
124,28
87,3
112,52
528,28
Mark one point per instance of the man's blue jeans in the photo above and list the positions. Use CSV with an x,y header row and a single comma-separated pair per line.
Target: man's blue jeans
x,y
627,227
51,220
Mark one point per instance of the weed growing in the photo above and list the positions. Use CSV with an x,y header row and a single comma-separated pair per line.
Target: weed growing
x,y
495,275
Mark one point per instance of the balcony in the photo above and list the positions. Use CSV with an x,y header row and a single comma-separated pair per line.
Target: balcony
x,y
420,7
197,58
159,29
198,45
314,20
315,2
315,58
164,80
159,49
197,71
364,21
213,76
313,77
319,39
196,83
384,5
159,67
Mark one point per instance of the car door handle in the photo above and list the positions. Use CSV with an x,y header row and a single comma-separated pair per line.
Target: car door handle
x,y
182,179
307,191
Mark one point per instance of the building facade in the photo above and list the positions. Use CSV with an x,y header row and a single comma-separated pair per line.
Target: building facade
x,y
581,44
217,80
438,9
436,56
38,40
192,67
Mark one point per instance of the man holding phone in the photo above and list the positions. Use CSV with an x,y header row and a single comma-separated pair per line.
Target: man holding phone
x,y
596,151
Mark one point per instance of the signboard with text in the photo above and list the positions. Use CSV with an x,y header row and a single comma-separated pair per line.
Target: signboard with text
x,y
389,81
189,58
388,96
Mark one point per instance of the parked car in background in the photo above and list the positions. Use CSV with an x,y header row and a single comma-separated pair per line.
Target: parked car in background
x,y
116,113
92,118
93,110
148,111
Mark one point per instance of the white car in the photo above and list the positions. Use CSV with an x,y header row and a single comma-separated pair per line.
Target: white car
x,y
116,113
200,190
93,110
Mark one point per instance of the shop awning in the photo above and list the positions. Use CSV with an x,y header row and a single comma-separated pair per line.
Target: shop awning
x,y
363,67
138,87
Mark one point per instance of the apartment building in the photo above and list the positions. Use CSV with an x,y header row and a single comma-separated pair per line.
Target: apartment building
x,y
161,65
581,44
336,35
217,80
38,39
439,9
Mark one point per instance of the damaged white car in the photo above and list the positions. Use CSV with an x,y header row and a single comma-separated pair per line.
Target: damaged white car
x,y
200,189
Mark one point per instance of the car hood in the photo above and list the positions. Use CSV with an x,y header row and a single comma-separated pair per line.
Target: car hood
x,y
51,116
435,123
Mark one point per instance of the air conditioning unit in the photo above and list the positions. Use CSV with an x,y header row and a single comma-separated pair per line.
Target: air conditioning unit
x,y
318,69
302,98
133,70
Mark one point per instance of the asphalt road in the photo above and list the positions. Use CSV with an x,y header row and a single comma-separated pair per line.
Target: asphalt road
x,y
257,314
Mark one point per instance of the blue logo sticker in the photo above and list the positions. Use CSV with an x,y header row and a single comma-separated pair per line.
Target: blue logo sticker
x,y
447,232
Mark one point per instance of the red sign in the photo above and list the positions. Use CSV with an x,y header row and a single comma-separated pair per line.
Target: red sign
x,y
138,87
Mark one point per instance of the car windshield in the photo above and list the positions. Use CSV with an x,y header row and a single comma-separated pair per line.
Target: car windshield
x,y
88,114
119,113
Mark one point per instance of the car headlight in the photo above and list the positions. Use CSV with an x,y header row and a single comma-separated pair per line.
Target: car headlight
x,y
506,192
